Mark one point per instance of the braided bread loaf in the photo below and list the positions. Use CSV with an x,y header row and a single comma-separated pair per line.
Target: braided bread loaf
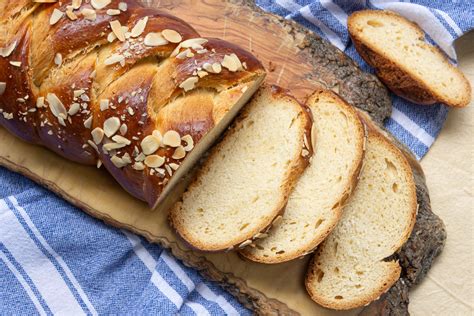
x,y
116,83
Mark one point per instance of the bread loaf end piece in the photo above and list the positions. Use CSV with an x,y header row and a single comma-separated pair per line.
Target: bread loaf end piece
x,y
353,266
244,185
410,67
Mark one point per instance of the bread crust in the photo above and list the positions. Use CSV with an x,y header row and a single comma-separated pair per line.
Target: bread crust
x,y
149,80
396,76
297,167
351,183
393,268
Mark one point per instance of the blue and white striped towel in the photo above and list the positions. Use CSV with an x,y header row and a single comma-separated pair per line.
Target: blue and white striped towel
x,y
57,260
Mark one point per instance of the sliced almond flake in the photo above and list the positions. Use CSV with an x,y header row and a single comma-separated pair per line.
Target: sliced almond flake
x,y
113,146
61,121
15,63
154,161
126,157
202,51
232,62
97,135
56,106
140,157
91,143
121,140
212,68
138,166
100,4
118,162
188,139
99,164
111,126
172,36
174,166
122,6
7,116
244,64
179,153
58,59
40,103
202,73
89,14
71,15
169,170
150,144
88,122
104,104
76,4
74,109
111,37
130,111
183,54
172,139
113,59
78,93
123,129
3,86
154,39
113,12
85,98
117,29
195,43
8,50
138,29
55,16
189,83
216,68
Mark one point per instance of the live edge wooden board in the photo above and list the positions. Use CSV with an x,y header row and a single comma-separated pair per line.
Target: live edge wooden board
x,y
296,59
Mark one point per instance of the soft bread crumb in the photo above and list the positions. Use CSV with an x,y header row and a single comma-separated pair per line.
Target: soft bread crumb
x,y
349,270
315,205
246,181
409,66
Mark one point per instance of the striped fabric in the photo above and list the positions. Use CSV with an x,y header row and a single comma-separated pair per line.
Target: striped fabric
x,y
57,260
443,21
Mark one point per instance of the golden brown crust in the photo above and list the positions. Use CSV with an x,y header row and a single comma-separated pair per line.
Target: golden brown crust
x,y
70,61
398,78
298,164
351,184
392,267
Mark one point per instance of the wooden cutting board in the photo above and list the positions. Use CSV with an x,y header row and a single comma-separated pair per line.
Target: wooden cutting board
x,y
296,60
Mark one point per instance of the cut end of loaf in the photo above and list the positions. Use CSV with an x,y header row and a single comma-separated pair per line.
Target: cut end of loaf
x,y
350,268
405,62
315,205
243,186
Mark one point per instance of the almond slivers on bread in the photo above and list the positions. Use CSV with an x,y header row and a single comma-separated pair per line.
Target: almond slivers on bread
x,y
315,205
409,66
244,185
352,267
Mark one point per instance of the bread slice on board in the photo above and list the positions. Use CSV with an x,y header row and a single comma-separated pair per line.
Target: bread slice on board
x,y
244,185
410,67
315,205
352,267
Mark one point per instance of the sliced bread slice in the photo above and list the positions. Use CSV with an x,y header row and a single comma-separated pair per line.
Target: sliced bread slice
x,y
409,66
315,205
353,266
244,185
